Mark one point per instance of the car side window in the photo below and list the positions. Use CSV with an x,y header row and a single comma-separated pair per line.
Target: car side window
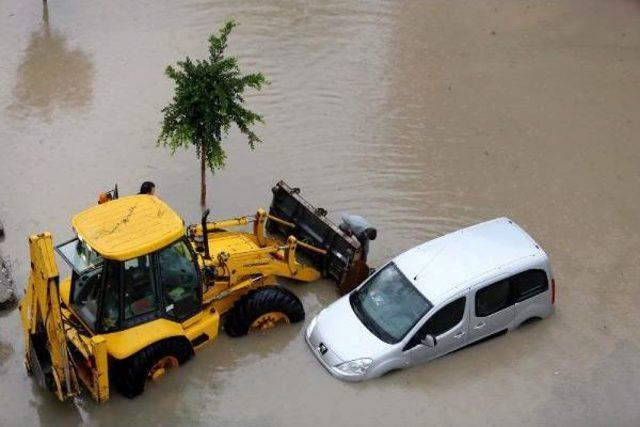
x,y
442,321
445,319
529,283
493,298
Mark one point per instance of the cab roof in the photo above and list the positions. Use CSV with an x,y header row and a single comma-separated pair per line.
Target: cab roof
x,y
438,267
128,227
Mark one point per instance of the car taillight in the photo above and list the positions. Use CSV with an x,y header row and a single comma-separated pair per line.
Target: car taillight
x,y
553,291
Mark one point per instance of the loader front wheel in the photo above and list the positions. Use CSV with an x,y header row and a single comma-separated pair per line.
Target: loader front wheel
x,y
150,364
263,308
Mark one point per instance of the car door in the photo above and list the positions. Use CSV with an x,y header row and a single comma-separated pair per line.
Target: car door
x,y
493,309
448,325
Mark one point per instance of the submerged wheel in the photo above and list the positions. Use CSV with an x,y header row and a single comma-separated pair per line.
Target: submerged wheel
x,y
269,320
161,367
263,308
150,364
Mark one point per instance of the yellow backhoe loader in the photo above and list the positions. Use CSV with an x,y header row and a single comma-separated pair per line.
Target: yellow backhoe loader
x,y
145,293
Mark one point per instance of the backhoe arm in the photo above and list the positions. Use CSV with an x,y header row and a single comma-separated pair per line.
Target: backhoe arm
x,y
47,355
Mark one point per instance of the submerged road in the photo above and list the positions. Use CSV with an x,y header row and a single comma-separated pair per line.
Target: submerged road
x,y
423,116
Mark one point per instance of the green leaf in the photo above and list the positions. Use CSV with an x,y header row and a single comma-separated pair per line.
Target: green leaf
x,y
208,100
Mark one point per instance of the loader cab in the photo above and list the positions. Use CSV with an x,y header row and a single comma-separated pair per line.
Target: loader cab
x,y
131,264
111,295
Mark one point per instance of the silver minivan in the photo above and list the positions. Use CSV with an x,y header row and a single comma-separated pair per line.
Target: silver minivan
x,y
433,299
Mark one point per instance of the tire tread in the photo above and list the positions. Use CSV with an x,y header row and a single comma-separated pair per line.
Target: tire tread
x,y
132,372
261,301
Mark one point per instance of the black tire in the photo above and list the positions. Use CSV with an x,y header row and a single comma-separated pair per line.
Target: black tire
x,y
132,372
258,302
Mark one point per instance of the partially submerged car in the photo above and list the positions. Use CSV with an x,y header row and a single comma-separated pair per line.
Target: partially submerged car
x,y
433,299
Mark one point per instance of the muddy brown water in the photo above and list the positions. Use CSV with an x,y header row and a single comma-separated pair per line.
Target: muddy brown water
x,y
423,116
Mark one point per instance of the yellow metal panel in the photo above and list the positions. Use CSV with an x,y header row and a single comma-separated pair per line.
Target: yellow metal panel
x,y
123,344
231,242
100,390
128,227
207,324
65,290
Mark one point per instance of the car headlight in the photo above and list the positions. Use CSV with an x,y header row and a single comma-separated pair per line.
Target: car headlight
x,y
354,367
311,326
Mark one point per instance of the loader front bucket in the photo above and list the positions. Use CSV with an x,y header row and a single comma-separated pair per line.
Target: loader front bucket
x,y
345,258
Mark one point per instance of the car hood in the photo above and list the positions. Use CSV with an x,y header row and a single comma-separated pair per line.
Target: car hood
x,y
344,336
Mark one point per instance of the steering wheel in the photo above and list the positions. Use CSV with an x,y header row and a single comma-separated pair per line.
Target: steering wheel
x,y
84,290
403,319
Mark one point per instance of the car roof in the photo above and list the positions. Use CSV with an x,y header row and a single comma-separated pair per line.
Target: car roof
x,y
128,227
438,267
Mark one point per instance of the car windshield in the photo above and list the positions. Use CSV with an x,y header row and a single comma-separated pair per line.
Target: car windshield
x,y
79,255
389,305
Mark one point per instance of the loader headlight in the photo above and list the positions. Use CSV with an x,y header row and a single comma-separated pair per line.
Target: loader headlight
x,y
354,367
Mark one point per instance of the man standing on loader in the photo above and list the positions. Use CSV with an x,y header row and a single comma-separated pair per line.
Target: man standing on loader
x,y
148,187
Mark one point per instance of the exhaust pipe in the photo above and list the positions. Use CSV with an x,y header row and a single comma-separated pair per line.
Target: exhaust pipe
x,y
205,234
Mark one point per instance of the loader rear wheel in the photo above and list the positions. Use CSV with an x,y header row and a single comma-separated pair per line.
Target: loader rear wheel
x,y
151,363
263,308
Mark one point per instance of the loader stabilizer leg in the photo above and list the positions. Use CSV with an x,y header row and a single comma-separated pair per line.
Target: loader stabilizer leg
x,y
46,352
100,388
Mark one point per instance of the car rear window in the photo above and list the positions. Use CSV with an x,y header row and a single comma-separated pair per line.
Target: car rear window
x,y
529,283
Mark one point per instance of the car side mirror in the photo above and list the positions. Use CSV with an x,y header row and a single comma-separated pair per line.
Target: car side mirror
x,y
428,341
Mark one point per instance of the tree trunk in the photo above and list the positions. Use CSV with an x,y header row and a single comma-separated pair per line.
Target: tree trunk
x,y
203,181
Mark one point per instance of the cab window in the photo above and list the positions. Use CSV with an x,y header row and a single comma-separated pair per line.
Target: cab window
x,y
79,255
110,320
178,280
140,304
85,295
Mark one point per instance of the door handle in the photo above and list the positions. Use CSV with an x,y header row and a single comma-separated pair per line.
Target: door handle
x,y
459,335
479,325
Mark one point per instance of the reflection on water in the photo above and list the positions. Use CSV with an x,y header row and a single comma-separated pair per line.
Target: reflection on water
x,y
6,350
51,75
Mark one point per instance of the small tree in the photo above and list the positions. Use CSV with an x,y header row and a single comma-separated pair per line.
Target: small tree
x,y
208,99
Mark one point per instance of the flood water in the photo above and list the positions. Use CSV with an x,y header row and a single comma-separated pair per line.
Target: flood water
x,y
423,116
